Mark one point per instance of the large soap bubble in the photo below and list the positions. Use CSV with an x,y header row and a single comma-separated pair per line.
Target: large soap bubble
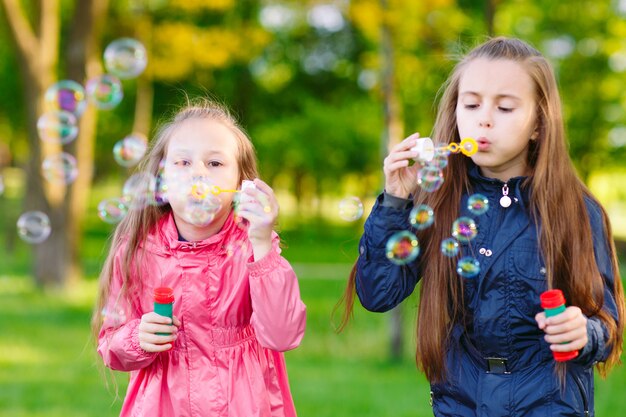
x,y
33,226
125,58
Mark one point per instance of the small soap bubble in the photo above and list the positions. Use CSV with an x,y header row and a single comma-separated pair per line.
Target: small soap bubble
x,y
139,190
421,216
477,204
57,126
236,248
201,212
129,151
33,226
66,95
440,160
60,168
125,58
468,267
114,317
464,229
104,91
402,247
161,186
450,247
350,209
430,178
112,210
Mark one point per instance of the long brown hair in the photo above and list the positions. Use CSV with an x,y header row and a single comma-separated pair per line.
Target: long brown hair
x,y
134,228
557,196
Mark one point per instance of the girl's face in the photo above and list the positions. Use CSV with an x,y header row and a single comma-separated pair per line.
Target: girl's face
x,y
496,106
201,153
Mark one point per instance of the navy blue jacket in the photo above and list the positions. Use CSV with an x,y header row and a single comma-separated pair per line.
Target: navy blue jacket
x,y
501,305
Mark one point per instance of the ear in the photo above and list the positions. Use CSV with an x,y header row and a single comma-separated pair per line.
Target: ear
x,y
535,134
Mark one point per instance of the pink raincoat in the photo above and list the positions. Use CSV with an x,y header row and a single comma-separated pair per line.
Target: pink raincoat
x,y
237,316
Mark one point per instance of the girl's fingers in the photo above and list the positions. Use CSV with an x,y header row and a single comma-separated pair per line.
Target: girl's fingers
x,y
153,317
407,143
157,328
396,166
149,347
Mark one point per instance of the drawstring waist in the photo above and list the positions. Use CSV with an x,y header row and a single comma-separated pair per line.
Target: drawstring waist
x,y
221,337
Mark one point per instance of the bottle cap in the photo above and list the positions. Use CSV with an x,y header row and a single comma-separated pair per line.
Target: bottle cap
x,y
552,299
564,356
163,295
425,149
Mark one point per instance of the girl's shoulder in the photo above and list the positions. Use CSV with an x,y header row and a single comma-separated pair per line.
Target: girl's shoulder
x,y
595,211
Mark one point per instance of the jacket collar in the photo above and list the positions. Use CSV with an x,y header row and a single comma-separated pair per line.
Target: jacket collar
x,y
167,233
492,187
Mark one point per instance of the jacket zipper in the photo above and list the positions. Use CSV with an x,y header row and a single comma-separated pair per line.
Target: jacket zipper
x,y
582,394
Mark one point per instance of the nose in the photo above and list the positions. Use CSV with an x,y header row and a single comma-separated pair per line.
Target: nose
x,y
199,170
485,119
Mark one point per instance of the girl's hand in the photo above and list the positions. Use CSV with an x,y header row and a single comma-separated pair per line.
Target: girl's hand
x,y
566,331
400,178
153,323
259,207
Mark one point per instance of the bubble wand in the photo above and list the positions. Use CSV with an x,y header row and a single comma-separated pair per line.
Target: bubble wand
x,y
426,148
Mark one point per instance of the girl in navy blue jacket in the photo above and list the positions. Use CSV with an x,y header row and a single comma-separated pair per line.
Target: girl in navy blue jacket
x,y
483,340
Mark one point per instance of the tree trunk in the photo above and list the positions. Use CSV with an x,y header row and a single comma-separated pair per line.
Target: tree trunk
x,y
392,134
83,62
37,52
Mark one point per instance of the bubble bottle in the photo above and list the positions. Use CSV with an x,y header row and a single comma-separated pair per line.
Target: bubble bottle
x,y
553,303
163,303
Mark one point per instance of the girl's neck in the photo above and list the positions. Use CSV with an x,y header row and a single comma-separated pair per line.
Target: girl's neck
x,y
193,233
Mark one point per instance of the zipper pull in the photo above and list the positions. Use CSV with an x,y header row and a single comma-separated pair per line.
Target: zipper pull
x,y
505,200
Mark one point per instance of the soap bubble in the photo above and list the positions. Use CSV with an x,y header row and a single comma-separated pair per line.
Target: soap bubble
x,y
402,247
430,178
33,226
129,151
440,160
201,212
125,58
450,247
114,316
65,95
350,209
104,91
236,248
468,267
57,126
60,168
464,229
138,190
421,216
477,204
112,210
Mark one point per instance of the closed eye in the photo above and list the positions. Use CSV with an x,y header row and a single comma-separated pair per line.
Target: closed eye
x,y
471,106
505,109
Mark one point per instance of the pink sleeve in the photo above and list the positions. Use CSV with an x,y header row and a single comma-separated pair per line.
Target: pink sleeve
x,y
118,341
278,313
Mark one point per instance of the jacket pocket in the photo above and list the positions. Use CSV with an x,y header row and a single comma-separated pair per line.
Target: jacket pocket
x,y
527,277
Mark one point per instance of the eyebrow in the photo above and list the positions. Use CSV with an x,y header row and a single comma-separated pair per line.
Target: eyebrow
x,y
186,151
498,96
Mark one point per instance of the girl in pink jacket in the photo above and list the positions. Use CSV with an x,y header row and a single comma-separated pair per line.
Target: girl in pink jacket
x,y
237,302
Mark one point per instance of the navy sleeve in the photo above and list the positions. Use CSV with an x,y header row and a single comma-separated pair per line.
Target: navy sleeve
x,y
380,284
596,349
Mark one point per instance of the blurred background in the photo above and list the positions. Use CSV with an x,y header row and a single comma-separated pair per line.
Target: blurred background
x,y
323,87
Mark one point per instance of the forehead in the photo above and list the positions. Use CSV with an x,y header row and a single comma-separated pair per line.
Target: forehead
x,y
496,77
200,136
